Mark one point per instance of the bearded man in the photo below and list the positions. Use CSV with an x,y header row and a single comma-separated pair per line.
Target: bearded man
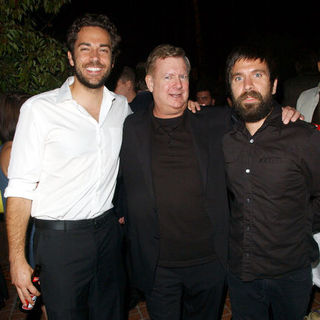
x,y
273,179
63,169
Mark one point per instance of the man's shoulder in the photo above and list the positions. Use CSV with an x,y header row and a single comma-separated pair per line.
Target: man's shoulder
x,y
141,101
214,117
301,128
213,112
139,115
118,97
41,99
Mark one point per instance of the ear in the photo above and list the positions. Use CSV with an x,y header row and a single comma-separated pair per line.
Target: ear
x,y
70,59
149,82
274,87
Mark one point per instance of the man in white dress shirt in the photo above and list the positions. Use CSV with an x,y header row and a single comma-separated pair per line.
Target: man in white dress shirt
x,y
63,170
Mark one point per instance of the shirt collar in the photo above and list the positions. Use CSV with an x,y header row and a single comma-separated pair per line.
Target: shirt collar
x,y
173,123
65,92
64,95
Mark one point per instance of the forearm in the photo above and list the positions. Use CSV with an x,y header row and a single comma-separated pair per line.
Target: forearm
x,y
17,218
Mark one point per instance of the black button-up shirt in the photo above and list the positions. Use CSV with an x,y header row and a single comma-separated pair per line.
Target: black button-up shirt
x,y
274,183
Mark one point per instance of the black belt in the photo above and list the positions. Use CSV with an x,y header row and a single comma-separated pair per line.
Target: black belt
x,y
66,225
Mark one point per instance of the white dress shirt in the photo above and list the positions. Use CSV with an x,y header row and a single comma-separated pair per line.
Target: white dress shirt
x,y
63,159
308,101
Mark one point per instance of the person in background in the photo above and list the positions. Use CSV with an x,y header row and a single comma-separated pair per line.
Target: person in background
x,y
204,96
144,98
273,180
9,112
307,76
10,105
309,104
62,171
126,84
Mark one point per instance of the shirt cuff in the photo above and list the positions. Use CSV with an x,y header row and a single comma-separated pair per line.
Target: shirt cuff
x,y
20,189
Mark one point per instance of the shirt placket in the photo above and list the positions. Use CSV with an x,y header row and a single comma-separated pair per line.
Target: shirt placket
x,y
248,202
98,168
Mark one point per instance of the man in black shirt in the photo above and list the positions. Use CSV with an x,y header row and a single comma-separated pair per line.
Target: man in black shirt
x,y
274,181
176,194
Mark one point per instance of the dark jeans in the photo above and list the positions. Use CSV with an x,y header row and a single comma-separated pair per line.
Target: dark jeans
x,y
190,293
81,271
288,296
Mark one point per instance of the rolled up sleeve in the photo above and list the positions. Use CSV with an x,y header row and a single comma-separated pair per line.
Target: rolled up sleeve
x,y
27,150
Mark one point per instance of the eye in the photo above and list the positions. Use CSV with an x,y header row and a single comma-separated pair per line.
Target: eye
x,y
237,78
184,77
258,75
84,49
168,77
104,50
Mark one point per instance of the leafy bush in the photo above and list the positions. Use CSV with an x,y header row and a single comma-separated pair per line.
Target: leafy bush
x,y
30,60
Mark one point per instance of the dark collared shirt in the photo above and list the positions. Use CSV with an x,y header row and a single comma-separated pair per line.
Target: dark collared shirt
x,y
274,183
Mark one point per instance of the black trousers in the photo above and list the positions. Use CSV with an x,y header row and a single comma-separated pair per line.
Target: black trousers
x,y
287,296
81,269
191,293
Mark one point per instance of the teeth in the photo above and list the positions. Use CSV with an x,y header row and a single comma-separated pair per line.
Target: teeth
x,y
93,69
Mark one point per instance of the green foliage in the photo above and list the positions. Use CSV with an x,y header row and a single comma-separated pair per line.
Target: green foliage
x,y
30,61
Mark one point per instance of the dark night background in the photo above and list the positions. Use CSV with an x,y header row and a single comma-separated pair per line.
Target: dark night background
x,y
283,26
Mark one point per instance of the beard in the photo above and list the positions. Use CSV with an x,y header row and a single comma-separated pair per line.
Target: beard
x,y
253,112
86,82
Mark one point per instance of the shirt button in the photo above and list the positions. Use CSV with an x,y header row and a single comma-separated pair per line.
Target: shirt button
x,y
248,228
248,200
247,254
247,170
251,140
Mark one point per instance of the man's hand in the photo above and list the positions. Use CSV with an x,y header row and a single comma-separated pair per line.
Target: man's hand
x,y
18,214
21,277
193,106
290,114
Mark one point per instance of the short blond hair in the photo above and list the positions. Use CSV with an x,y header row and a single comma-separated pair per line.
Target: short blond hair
x,y
164,51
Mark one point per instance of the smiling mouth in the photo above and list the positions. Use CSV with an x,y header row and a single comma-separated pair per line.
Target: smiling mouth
x,y
250,99
176,95
93,69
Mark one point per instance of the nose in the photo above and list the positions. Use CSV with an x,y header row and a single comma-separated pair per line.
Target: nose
x,y
201,100
94,54
248,84
178,82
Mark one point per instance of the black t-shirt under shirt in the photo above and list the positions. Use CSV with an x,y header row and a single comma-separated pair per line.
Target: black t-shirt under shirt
x,y
186,233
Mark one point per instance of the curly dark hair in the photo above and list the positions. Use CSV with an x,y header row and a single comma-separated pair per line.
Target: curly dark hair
x,y
94,20
10,105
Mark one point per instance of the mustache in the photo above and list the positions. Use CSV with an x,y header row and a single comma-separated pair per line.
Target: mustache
x,y
94,65
252,93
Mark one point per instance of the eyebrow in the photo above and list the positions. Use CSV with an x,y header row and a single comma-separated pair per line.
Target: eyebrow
x,y
253,71
89,44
